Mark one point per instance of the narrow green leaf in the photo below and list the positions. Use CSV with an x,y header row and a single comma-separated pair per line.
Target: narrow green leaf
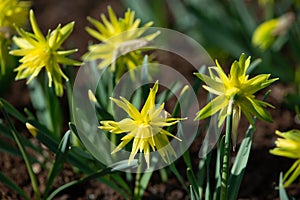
x,y
163,174
193,194
23,151
29,114
208,194
144,182
192,179
174,170
100,173
59,161
246,18
282,193
167,94
254,64
121,182
46,106
12,111
201,175
73,128
44,135
145,69
13,186
240,164
8,148
220,154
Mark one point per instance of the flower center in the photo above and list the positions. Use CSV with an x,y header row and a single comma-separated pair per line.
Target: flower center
x,y
232,91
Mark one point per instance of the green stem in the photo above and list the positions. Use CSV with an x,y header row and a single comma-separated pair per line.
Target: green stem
x,y
136,192
137,185
227,149
24,154
70,98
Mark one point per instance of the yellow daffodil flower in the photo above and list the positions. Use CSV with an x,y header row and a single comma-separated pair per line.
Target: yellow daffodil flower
x,y
145,128
39,52
266,33
289,146
236,86
119,38
12,13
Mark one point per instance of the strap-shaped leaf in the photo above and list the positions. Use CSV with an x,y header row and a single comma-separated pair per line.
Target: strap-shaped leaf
x,y
4,179
59,161
12,111
282,193
98,174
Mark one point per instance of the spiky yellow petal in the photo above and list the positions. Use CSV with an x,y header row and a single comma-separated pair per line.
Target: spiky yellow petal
x,y
145,128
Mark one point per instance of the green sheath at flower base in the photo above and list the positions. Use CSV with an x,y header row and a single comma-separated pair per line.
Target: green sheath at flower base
x,y
144,127
289,146
38,52
12,13
120,38
241,88
266,33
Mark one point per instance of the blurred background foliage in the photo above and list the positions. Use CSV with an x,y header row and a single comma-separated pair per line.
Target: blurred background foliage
x,y
225,29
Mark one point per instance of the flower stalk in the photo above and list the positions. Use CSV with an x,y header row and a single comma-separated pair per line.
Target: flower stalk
x,y
227,149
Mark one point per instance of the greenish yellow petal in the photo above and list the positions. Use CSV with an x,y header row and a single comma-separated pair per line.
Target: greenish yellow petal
x,y
266,33
34,25
150,100
238,86
292,174
117,36
214,86
293,135
145,128
288,145
121,146
211,108
40,52
221,73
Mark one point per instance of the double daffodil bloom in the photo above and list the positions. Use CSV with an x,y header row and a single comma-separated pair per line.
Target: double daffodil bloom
x,y
145,128
120,38
237,86
12,13
289,146
39,52
266,33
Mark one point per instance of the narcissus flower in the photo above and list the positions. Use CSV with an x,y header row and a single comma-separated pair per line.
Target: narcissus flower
x,y
266,33
289,146
237,86
144,127
39,52
12,13
120,39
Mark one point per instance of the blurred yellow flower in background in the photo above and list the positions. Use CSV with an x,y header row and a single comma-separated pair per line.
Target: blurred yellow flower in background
x,y
12,13
237,87
267,32
120,38
289,146
38,52
145,128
